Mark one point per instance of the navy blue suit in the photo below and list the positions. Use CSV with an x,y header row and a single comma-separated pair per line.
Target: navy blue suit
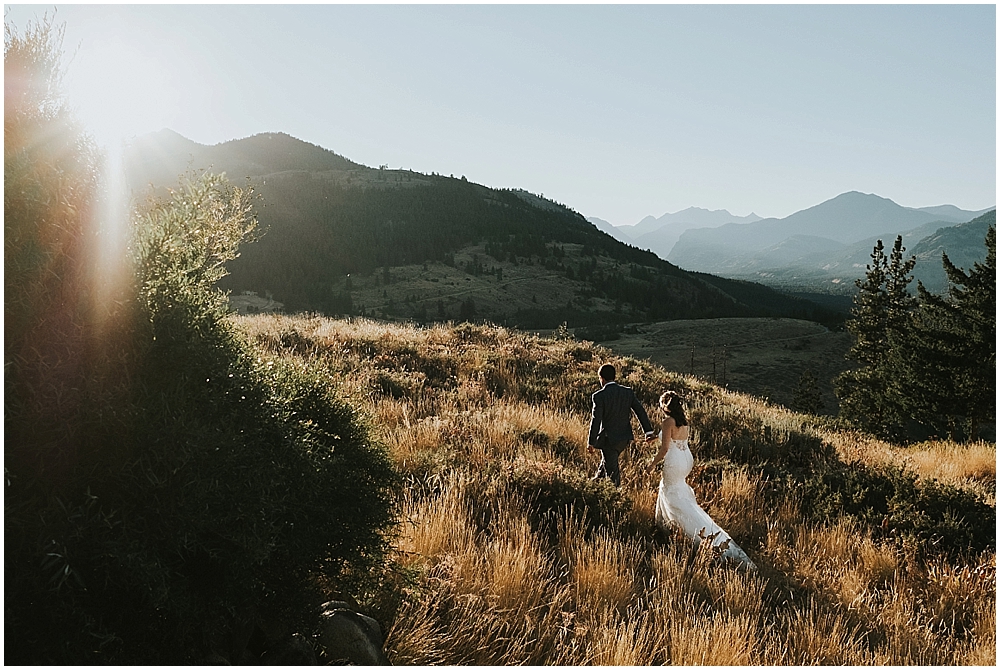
x,y
611,426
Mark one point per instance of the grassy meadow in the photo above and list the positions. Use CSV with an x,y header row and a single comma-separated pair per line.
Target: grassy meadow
x,y
506,553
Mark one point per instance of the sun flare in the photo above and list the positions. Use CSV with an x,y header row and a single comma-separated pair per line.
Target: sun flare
x,y
118,90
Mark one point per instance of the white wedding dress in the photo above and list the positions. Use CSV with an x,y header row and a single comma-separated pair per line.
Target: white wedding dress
x,y
676,505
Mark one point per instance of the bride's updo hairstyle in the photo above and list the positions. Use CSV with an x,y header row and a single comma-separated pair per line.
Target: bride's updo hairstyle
x,y
674,407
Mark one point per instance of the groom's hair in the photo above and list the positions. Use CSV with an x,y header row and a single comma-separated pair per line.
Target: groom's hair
x,y
607,372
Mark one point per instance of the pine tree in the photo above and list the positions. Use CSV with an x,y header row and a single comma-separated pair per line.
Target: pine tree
x,y
870,394
806,396
949,369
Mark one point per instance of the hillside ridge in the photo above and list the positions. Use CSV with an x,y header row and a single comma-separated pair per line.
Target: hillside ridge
x,y
343,238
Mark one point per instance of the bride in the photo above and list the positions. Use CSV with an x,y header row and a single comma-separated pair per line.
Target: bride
x,y
675,504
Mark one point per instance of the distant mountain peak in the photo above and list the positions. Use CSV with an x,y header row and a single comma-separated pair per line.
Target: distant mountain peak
x,y
850,218
165,138
169,134
692,210
858,196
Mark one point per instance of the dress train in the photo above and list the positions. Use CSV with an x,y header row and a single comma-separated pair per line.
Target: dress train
x,y
676,505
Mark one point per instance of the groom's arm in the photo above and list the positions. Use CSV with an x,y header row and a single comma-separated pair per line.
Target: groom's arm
x,y
640,413
596,417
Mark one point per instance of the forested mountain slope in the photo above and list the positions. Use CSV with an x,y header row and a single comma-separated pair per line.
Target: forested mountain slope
x,y
325,217
963,244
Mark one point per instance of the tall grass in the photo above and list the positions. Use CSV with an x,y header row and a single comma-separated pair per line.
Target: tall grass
x,y
516,557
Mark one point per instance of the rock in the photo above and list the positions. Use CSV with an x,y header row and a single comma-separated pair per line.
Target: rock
x,y
352,637
292,650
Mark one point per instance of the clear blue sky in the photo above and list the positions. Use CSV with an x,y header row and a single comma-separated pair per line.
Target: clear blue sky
x,y
616,111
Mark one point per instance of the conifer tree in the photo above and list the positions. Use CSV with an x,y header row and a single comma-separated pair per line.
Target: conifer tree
x,y
949,369
870,394
806,396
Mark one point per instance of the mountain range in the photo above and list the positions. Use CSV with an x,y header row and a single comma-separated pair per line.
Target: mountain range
x,y
659,234
342,238
822,248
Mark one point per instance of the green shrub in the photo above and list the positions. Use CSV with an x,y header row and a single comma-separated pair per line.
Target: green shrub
x,y
166,486
888,501
893,503
553,490
50,194
732,433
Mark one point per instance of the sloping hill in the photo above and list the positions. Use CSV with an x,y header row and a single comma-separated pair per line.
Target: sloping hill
x,y
158,158
963,243
342,238
509,554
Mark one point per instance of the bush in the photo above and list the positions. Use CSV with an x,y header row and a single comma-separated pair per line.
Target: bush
x,y
232,487
890,502
893,503
50,192
166,486
553,491
728,432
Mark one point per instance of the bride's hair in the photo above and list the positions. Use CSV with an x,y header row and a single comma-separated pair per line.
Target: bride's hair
x,y
674,407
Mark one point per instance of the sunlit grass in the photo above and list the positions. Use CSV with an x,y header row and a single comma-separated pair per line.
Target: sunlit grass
x,y
497,581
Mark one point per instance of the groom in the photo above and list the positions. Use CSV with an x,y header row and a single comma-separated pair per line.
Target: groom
x,y
611,422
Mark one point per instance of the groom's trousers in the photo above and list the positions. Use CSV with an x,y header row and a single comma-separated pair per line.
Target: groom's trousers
x,y
609,462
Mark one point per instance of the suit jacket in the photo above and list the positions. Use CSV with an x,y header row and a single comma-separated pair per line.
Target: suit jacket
x,y
612,414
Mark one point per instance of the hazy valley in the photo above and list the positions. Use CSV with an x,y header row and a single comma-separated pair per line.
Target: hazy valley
x,y
822,249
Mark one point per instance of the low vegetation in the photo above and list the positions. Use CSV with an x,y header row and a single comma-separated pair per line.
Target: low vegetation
x,y
768,358
869,553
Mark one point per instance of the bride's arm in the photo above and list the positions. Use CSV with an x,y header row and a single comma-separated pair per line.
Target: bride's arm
x,y
666,429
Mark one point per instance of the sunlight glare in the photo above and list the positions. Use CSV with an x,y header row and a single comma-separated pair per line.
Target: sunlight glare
x,y
117,91
111,268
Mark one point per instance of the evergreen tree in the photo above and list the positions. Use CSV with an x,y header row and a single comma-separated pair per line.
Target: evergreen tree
x,y
870,394
467,310
949,367
806,396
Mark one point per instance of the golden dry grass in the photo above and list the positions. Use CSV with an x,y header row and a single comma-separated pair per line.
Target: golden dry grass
x,y
497,581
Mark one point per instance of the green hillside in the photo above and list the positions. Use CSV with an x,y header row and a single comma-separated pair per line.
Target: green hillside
x,y
325,218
